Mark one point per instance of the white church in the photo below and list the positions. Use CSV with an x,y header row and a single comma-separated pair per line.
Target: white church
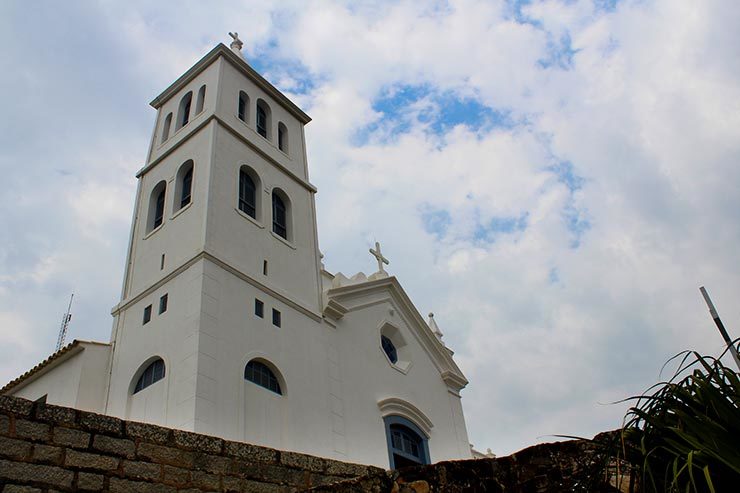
x,y
229,324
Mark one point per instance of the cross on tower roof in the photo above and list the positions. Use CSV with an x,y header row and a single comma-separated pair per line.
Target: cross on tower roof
x,y
379,257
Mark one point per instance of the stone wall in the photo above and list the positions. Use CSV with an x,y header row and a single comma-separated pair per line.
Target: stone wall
x,y
45,448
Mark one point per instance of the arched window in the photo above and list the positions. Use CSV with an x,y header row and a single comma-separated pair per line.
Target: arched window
x,y
242,110
156,206
263,119
201,99
280,214
153,373
389,348
166,128
183,185
282,137
247,193
183,113
407,445
259,373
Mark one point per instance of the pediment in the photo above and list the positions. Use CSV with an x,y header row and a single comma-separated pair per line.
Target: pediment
x,y
363,293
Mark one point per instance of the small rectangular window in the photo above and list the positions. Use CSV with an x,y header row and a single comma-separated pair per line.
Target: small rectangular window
x,y
259,308
161,263
275,318
163,304
147,314
264,267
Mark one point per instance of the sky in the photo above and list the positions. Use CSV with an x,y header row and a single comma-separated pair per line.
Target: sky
x,y
553,179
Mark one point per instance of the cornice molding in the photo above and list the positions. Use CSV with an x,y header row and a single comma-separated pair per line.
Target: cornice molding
x,y
395,406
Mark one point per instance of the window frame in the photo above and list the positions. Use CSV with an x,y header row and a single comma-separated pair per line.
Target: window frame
x,y
154,372
405,425
261,374
242,203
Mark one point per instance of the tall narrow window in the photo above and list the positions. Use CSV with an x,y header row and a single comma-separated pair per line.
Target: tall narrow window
x,y
163,304
263,119
166,128
259,308
152,374
187,184
147,314
201,99
279,216
259,373
282,137
247,194
159,212
276,318
243,108
156,206
183,113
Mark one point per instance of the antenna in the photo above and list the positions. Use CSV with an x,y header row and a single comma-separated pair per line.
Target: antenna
x,y
720,326
65,324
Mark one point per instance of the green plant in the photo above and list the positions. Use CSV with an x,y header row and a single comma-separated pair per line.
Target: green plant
x,y
685,436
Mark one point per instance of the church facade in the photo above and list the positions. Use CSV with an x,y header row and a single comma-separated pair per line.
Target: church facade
x,y
229,324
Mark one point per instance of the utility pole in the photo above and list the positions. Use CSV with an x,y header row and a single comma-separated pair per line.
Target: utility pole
x,y
65,324
721,327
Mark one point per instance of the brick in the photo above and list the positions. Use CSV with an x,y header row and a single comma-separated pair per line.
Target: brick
x,y
4,425
85,460
148,433
101,424
115,446
55,414
176,476
165,455
32,431
205,481
251,452
126,486
14,449
194,441
89,481
14,488
16,405
141,470
302,461
47,453
71,438
47,475
212,463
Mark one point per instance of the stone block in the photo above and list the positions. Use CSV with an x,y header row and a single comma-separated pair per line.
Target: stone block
x,y
23,472
205,481
70,438
16,488
14,449
47,453
55,414
126,486
90,482
31,430
302,461
270,473
4,425
248,486
349,470
212,463
148,433
176,476
141,470
84,460
165,455
193,441
116,446
101,424
251,452
16,406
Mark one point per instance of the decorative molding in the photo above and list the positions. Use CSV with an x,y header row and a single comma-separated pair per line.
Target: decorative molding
x,y
395,406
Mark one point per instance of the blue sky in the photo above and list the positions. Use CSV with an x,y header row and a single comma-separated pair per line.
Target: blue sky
x,y
554,179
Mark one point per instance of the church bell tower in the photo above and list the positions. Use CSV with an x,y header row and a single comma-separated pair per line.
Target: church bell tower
x,y
223,264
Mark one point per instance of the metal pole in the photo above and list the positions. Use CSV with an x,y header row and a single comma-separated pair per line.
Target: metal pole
x,y
720,326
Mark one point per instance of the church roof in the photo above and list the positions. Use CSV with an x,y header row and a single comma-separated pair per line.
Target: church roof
x,y
55,358
242,66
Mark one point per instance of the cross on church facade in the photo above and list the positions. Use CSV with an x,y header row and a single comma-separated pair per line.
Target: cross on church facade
x,y
379,257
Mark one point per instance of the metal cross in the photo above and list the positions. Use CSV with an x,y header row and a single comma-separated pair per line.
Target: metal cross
x,y
379,257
